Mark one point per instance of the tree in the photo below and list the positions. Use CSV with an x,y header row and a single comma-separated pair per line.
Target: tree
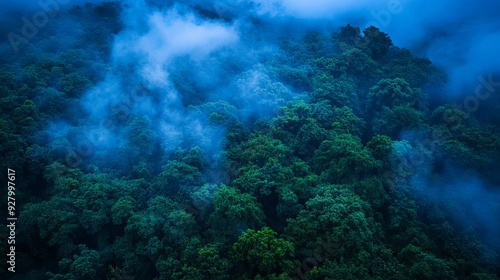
x,y
303,138
123,209
177,175
74,84
298,128
261,252
12,148
234,213
338,214
83,266
380,146
212,263
27,117
263,181
396,120
423,265
261,149
338,91
359,63
376,43
395,92
56,223
348,37
344,121
142,136
450,117
343,159
35,76
400,63
342,270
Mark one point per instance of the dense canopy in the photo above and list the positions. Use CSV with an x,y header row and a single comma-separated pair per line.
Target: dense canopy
x,y
322,155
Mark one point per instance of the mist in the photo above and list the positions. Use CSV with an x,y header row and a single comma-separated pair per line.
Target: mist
x,y
465,195
459,38
174,55
163,41
448,33
154,94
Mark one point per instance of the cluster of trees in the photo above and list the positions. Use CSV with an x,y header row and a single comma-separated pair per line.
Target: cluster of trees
x,y
317,191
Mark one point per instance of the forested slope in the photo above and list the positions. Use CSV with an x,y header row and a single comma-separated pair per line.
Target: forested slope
x,y
325,156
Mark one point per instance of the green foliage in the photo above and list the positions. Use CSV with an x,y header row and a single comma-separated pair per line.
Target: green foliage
x,y
346,122
12,148
347,37
342,271
235,211
376,43
359,63
220,112
298,127
343,159
372,190
400,63
56,223
380,146
262,252
424,265
35,76
83,266
338,92
262,149
257,88
394,92
400,118
123,209
331,154
74,84
212,263
177,175
142,136
263,181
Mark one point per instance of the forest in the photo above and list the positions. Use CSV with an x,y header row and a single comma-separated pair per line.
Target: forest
x,y
162,140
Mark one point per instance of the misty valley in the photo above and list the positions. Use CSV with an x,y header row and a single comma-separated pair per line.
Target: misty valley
x,y
250,139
